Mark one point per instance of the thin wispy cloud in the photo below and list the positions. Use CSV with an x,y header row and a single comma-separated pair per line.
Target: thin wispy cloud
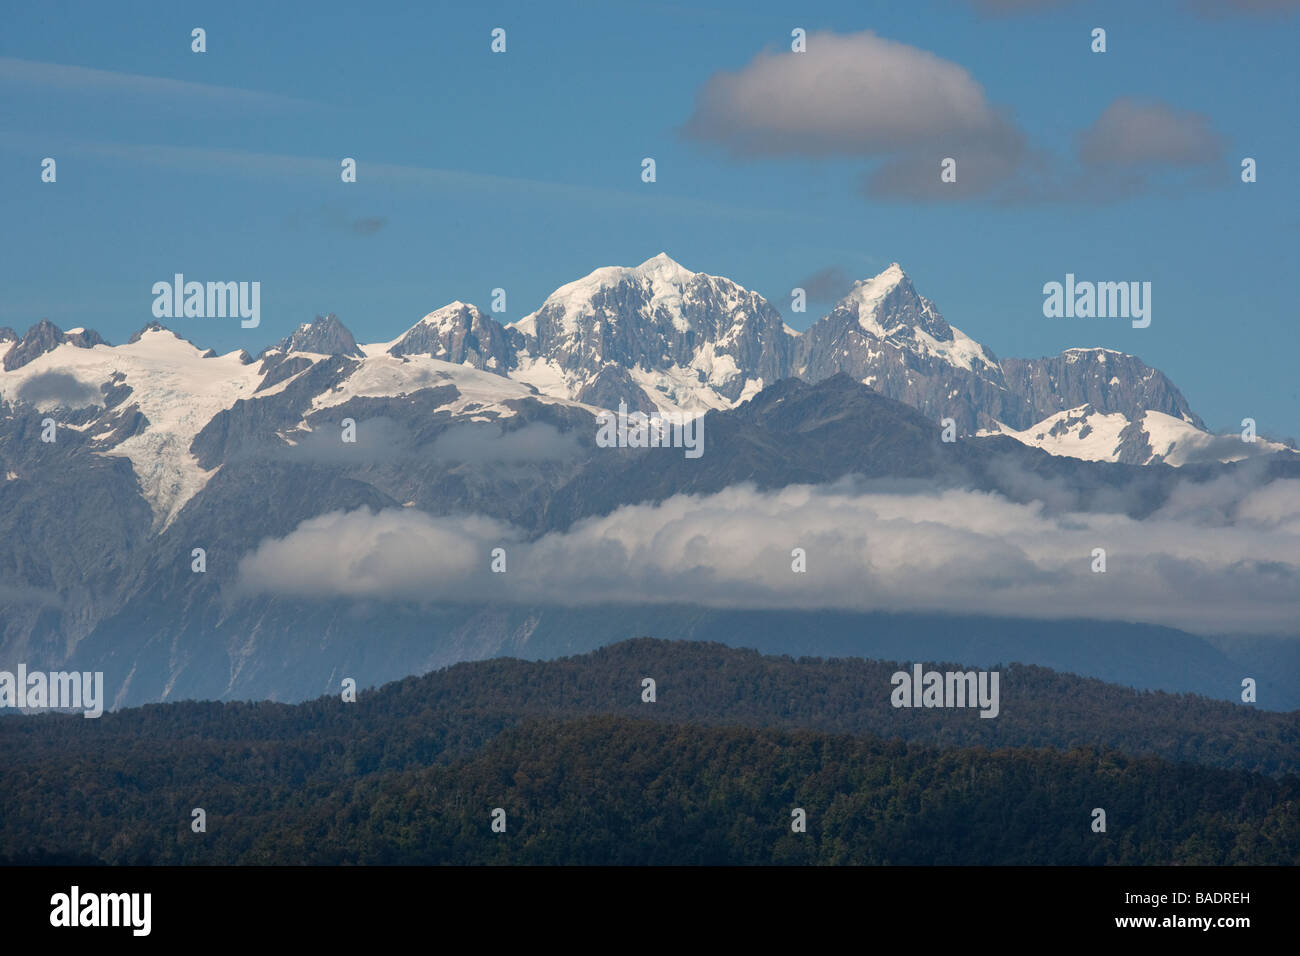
x,y
211,160
90,81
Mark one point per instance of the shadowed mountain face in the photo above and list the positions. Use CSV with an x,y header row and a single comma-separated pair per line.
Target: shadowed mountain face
x,y
1109,381
98,587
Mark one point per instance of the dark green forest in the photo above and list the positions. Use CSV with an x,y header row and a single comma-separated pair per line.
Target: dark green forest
x,y
587,773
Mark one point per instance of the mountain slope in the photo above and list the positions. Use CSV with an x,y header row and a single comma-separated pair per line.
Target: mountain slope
x,y
274,460
1146,438
1107,380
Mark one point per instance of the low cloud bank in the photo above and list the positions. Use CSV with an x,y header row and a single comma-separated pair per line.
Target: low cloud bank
x,y
1217,558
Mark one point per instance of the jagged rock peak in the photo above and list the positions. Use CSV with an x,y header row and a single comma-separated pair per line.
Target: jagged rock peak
x,y
324,335
44,337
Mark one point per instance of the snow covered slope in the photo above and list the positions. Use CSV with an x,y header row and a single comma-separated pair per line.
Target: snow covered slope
x,y
653,336
159,376
656,335
1146,438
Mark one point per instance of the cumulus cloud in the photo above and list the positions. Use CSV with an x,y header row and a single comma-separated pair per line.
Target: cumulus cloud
x,y
908,110
363,554
1134,147
1134,132
851,95
1216,559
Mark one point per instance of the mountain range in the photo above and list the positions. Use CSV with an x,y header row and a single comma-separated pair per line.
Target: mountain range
x,y
656,336
161,448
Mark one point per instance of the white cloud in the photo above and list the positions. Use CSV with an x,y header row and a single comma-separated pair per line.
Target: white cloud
x,y
1234,568
855,95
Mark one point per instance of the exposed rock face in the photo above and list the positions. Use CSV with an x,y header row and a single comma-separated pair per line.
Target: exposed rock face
x,y
1109,381
887,336
325,335
460,333
43,337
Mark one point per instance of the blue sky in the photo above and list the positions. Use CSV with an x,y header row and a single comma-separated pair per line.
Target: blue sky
x,y
522,170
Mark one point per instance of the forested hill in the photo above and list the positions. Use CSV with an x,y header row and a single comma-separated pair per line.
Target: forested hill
x,y
709,773
616,790
450,713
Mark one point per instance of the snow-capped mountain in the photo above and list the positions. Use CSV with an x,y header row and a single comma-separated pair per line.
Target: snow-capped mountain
x,y
1102,405
657,335
177,413
1143,437
324,335
144,401
163,448
1107,380
653,336
41,338
459,333
887,336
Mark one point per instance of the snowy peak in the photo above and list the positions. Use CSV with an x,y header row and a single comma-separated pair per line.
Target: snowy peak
x,y
885,335
888,304
654,336
866,295
157,328
689,339
324,335
659,281
663,268
44,337
460,333
449,314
